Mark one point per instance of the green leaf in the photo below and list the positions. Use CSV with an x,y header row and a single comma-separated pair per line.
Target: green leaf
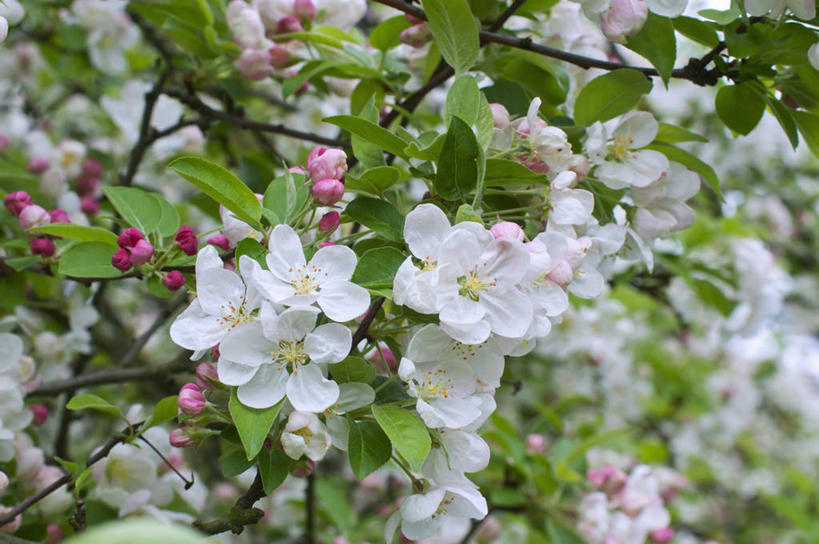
x,y
280,198
93,402
373,181
722,17
808,124
386,35
165,410
406,431
690,161
353,369
221,185
672,134
170,221
376,268
80,233
455,31
137,207
457,172
463,100
697,30
786,121
274,465
377,215
253,249
430,152
232,460
134,531
368,448
369,131
333,500
740,107
657,43
253,425
607,96
501,172
88,260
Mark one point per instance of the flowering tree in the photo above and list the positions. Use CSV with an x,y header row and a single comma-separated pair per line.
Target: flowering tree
x,y
446,271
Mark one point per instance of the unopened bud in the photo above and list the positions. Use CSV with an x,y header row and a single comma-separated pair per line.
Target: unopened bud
x,y
186,240
500,115
42,247
535,444
327,191
279,56
121,260
58,215
289,24
92,168
254,64
304,10
179,438
89,206
416,35
661,536
507,229
206,375
329,222
141,253
191,401
609,479
129,238
220,240
174,280
33,216
87,186
37,165
323,163
5,141
40,413
15,202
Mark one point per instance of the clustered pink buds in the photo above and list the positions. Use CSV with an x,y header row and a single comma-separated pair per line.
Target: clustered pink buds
x,y
191,401
135,250
129,237
206,375
121,260
15,202
33,216
507,229
324,163
42,247
141,253
179,438
220,240
329,222
186,240
328,191
608,478
59,215
174,280
40,413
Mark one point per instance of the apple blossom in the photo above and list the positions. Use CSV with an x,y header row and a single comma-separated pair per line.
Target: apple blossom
x,y
623,18
15,202
327,191
43,247
324,163
191,400
33,216
304,435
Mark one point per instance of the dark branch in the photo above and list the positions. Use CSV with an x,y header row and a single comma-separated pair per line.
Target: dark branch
x,y
361,332
240,515
500,21
107,377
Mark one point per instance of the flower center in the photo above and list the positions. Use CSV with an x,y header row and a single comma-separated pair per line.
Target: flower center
x,y
472,285
466,351
290,352
442,510
307,279
305,433
427,264
620,148
435,384
233,316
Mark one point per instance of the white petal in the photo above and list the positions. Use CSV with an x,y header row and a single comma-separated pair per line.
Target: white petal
x,y
272,287
220,292
295,323
286,251
342,300
507,260
231,373
453,412
422,505
336,262
462,311
508,311
639,126
647,166
208,259
265,389
419,530
309,391
424,229
11,349
428,345
247,345
195,330
473,333
329,343
468,502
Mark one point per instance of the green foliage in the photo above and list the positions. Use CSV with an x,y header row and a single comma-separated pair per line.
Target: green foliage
x,y
370,131
657,43
612,94
353,369
79,233
406,431
456,34
378,215
89,260
93,402
138,208
376,267
458,164
252,424
368,448
740,106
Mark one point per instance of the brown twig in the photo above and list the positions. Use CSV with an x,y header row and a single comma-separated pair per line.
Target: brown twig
x,y
240,515
361,332
106,377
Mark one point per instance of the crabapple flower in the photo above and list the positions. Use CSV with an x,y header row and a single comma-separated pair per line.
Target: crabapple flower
x,y
569,206
617,155
803,9
280,355
324,163
550,147
507,229
16,202
59,215
327,191
223,302
235,229
254,64
33,216
422,515
305,435
325,280
661,205
246,25
623,18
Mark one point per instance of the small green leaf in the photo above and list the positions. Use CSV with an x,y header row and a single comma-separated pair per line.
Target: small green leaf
x,y
373,181
740,107
500,172
697,30
785,118
657,43
386,35
353,369
252,249
406,431
221,185
80,233
170,221
376,268
370,131
455,31
274,465
368,448
137,207
808,124
722,17
93,402
88,260
233,460
457,174
672,134
377,215
253,425
607,96
165,410
463,100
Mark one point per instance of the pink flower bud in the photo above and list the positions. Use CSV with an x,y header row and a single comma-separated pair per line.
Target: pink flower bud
x,y
661,536
215,353
297,170
609,479
89,206
388,358
33,216
179,438
53,534
329,222
87,186
328,191
416,35
326,243
623,18
413,19
304,10
38,165
40,412
58,215
5,141
220,240
500,115
186,240
191,401
42,246
562,273
121,260
16,201
174,280
289,24
535,444
507,229
279,56
129,238
323,163
141,253
92,168
206,375
254,64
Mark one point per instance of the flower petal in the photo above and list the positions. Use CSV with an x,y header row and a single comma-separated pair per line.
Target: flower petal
x,y
424,229
247,345
342,300
334,262
329,343
194,329
309,391
286,251
231,373
265,389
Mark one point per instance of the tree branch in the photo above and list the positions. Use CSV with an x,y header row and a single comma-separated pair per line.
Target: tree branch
x,y
240,515
361,332
500,21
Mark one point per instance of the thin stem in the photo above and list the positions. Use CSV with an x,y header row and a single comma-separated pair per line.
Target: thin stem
x,y
310,506
188,483
361,332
